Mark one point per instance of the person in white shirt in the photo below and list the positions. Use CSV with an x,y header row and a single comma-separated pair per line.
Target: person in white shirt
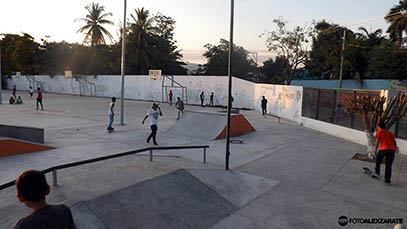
x,y
111,114
153,114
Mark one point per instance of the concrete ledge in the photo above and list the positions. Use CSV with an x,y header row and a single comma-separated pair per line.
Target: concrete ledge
x,y
345,133
23,133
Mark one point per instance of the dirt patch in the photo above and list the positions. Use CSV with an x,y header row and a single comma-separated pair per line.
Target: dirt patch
x,y
12,147
364,157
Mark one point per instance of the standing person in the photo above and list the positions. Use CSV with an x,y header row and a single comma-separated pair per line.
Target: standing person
x,y
180,106
264,105
31,91
39,98
32,189
111,114
202,96
153,114
170,97
15,91
388,147
211,100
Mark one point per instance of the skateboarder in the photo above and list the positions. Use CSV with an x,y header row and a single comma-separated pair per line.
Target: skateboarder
x,y
170,97
111,114
264,105
39,98
202,96
180,106
153,114
387,149
211,100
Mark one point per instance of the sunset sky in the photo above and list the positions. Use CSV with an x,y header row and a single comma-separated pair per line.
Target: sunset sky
x,y
198,21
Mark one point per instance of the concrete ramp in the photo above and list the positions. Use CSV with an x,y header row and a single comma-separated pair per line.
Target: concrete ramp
x,y
209,125
174,200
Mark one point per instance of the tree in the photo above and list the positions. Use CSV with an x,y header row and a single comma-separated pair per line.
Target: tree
x,y
398,21
292,44
27,55
217,61
373,110
94,30
272,70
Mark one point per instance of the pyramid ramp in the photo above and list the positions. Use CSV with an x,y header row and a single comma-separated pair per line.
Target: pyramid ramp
x,y
174,200
209,125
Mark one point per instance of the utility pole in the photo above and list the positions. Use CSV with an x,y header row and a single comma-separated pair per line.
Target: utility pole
x,y
229,86
343,49
123,69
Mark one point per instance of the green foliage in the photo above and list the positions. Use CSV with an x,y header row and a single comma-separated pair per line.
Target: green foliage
x,y
272,71
291,44
217,61
398,21
387,62
93,29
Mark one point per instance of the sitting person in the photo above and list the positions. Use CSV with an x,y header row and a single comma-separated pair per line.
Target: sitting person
x,y
11,100
19,100
32,187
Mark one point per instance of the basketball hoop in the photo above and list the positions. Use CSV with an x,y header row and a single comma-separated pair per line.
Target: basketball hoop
x,y
155,74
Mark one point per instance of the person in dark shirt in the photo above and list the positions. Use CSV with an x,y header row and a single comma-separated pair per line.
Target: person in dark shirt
x,y
264,105
211,100
32,187
202,96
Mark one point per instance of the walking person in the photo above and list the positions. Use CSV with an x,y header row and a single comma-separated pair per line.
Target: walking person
x,y
264,105
202,96
153,113
180,106
31,91
111,114
15,91
211,100
170,97
387,149
32,189
39,98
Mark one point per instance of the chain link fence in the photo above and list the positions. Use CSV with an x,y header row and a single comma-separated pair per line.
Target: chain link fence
x,y
326,105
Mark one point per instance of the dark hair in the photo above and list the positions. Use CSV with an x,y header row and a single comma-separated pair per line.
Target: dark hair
x,y
32,185
382,125
38,88
113,99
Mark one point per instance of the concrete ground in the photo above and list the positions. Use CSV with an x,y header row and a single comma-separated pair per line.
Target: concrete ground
x,y
283,176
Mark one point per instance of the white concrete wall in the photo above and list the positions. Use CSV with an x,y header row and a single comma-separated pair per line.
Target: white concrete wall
x,y
346,133
141,87
283,101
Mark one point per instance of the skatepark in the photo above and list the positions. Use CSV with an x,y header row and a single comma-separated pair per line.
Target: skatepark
x,y
282,175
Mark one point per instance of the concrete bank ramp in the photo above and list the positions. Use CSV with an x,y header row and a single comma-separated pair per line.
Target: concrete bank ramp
x,y
174,200
209,125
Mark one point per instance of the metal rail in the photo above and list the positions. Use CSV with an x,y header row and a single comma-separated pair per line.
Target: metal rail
x,y
93,160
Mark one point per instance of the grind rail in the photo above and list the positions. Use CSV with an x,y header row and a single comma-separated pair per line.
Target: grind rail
x,y
93,160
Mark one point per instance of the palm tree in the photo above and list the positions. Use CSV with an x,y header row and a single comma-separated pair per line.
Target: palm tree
x,y
94,20
398,21
140,31
370,39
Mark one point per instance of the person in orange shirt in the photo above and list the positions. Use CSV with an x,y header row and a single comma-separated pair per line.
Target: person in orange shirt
x,y
387,149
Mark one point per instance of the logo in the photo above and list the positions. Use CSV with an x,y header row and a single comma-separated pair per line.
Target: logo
x,y
343,221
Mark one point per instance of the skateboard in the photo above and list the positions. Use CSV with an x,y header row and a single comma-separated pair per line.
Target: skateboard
x,y
236,141
370,173
110,130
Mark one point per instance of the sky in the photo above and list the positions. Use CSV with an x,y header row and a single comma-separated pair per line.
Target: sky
x,y
198,22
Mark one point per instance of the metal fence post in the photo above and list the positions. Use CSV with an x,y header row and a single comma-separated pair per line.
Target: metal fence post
x,y
151,155
54,178
333,108
397,126
204,155
352,115
318,101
